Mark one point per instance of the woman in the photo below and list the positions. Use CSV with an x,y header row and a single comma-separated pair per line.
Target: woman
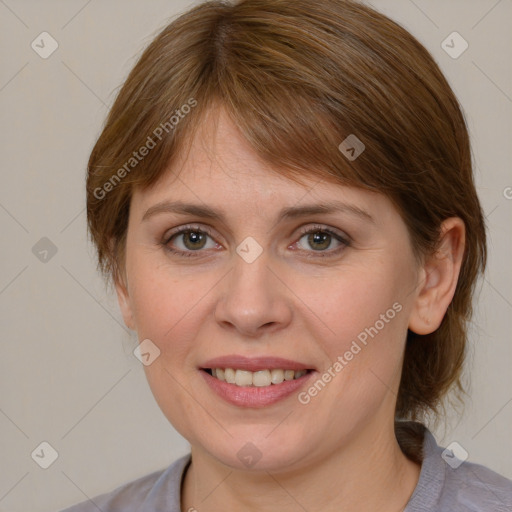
x,y
283,198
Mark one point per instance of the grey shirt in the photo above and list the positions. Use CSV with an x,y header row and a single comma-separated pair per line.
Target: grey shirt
x,y
443,486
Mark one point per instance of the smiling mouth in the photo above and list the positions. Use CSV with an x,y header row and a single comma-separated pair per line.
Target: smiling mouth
x,y
261,378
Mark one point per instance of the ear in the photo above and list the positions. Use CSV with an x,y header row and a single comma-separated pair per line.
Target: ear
x,y
123,298
438,278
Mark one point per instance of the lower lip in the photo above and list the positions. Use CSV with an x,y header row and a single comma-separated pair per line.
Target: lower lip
x,y
253,396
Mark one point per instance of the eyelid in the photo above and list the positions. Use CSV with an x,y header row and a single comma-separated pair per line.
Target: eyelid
x,y
303,230
187,227
344,239
341,237
327,229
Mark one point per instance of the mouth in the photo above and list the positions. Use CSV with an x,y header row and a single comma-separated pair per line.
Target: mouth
x,y
255,382
260,378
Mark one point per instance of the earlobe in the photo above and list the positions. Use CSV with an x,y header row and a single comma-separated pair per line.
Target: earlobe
x,y
438,279
123,298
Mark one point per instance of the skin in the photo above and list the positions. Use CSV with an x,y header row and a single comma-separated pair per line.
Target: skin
x,y
339,451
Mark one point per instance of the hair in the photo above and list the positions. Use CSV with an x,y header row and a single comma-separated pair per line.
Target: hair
x,y
297,77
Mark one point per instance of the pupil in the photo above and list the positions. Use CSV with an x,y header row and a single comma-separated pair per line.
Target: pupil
x,y
193,239
317,238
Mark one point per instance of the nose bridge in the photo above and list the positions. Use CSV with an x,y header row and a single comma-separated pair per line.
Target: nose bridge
x,y
250,276
252,296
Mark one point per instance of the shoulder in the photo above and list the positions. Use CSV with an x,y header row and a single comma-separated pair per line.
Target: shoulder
x,y
160,488
449,483
475,488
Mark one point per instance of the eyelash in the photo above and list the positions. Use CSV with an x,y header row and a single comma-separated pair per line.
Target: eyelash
x,y
205,230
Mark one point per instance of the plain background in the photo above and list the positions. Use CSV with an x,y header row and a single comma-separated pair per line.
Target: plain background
x,y
67,372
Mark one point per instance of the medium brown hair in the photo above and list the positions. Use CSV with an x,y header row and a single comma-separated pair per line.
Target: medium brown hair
x,y
297,77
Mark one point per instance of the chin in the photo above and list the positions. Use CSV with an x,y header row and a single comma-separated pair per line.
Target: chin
x,y
252,451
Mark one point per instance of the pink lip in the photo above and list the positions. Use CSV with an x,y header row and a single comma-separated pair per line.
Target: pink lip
x,y
254,364
252,396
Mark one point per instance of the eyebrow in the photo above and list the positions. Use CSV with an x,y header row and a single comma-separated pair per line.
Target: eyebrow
x,y
291,212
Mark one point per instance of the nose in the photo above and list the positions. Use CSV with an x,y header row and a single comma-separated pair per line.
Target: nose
x,y
253,300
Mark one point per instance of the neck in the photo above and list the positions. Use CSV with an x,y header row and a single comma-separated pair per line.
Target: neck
x,y
371,474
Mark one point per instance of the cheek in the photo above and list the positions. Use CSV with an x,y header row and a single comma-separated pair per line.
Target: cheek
x,y
157,293
353,301
169,306
165,314
166,311
362,320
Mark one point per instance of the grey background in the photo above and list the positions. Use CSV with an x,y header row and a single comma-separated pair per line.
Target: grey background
x,y
67,372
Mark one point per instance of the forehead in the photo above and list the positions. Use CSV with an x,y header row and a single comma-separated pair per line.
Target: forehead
x,y
220,166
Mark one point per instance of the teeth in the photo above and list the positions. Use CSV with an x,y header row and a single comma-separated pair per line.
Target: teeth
x,y
289,374
229,375
243,378
277,376
262,378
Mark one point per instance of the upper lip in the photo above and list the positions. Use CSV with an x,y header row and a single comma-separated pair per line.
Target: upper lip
x,y
254,364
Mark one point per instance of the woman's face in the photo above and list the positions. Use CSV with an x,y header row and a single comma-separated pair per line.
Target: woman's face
x,y
336,302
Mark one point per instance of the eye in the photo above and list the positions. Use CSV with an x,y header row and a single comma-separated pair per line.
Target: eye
x,y
192,238
320,238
